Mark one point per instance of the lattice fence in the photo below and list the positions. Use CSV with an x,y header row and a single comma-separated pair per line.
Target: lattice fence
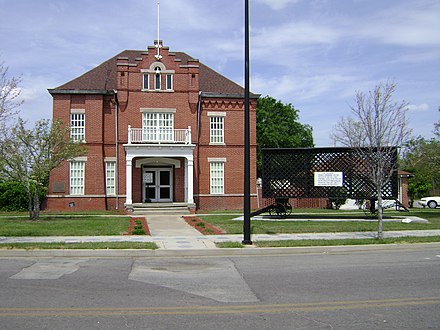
x,y
326,172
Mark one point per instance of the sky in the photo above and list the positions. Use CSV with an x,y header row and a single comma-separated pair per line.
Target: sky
x,y
313,54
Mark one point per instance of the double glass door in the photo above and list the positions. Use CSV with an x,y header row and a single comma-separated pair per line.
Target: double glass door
x,y
157,185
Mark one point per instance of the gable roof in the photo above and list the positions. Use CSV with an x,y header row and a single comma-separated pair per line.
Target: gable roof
x,y
102,79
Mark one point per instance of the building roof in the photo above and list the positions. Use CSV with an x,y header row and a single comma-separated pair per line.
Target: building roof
x,y
102,78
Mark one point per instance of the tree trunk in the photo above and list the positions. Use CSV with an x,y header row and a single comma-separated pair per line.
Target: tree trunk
x,y
379,215
30,197
37,201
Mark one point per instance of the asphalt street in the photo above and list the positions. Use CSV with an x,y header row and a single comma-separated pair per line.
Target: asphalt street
x,y
384,288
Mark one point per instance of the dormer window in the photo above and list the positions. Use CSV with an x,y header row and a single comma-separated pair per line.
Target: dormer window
x,y
152,78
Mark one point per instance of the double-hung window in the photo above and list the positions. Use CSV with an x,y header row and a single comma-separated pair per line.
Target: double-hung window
x,y
217,176
77,126
217,127
157,126
110,178
77,177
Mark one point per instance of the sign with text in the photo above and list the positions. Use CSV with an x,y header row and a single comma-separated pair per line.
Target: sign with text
x,y
329,179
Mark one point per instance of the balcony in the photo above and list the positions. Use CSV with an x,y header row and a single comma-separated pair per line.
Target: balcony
x,y
159,135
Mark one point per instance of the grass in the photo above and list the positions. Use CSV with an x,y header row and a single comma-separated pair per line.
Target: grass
x,y
67,225
89,246
335,242
300,224
365,241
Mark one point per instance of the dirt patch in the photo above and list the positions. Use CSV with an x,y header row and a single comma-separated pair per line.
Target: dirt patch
x,y
202,226
138,226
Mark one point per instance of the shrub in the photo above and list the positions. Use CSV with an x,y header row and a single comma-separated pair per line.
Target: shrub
x,y
13,196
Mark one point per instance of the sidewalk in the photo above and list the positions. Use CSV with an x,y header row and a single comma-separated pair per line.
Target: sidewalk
x,y
170,232
208,242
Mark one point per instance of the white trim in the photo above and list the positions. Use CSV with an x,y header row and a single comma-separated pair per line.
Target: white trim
x,y
79,159
78,129
217,160
217,178
83,196
77,182
110,189
158,110
157,185
157,64
109,159
157,161
223,195
216,114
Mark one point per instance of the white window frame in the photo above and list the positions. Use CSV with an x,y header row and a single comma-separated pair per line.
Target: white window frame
x,y
158,79
158,126
146,81
217,176
217,128
110,178
153,77
169,82
78,125
77,177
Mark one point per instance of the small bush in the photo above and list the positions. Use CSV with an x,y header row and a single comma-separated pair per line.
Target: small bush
x,y
137,231
13,196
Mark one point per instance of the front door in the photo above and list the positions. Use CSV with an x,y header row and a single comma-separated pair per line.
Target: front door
x,y
157,184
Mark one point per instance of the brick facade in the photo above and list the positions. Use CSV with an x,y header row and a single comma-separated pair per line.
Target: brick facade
x,y
113,97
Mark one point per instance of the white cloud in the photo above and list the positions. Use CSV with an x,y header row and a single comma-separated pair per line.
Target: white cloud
x,y
410,24
277,4
294,33
291,87
28,94
418,107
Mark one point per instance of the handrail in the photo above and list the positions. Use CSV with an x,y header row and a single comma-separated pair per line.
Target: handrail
x,y
159,135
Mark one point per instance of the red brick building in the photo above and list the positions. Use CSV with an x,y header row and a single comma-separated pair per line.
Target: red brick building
x,y
160,127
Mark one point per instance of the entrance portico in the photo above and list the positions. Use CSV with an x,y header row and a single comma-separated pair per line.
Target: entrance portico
x,y
158,164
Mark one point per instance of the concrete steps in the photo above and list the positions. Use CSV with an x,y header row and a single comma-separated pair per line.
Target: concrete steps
x,y
160,208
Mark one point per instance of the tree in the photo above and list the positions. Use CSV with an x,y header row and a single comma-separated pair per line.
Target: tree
x,y
28,155
278,127
422,159
9,93
378,125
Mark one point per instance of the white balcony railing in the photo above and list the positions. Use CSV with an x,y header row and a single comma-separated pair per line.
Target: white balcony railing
x,y
159,135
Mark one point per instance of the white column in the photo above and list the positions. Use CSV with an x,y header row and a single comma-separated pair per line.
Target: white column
x,y
190,179
128,181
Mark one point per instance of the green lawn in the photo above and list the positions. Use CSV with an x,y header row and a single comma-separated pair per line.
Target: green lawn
x,y
66,225
88,246
333,242
299,224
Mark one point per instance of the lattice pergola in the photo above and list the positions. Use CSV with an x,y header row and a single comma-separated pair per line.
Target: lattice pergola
x,y
298,173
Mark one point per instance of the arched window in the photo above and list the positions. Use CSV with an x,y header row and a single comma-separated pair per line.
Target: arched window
x,y
157,80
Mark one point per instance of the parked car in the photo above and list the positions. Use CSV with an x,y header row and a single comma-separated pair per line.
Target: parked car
x,y
432,202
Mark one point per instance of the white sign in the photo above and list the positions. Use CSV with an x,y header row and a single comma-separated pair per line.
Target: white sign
x,y
329,179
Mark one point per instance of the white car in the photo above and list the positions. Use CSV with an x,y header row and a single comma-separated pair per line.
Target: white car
x,y
432,202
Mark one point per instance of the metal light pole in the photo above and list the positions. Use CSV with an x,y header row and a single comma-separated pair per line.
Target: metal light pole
x,y
247,153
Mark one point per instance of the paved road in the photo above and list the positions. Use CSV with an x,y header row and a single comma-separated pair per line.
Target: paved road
x,y
380,289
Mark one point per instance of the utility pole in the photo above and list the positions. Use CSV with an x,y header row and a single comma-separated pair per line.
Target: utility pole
x,y
247,167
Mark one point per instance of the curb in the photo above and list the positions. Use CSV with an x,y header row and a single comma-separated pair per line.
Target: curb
x,y
227,252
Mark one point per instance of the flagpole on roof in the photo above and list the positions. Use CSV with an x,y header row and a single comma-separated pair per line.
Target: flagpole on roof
x,y
158,45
